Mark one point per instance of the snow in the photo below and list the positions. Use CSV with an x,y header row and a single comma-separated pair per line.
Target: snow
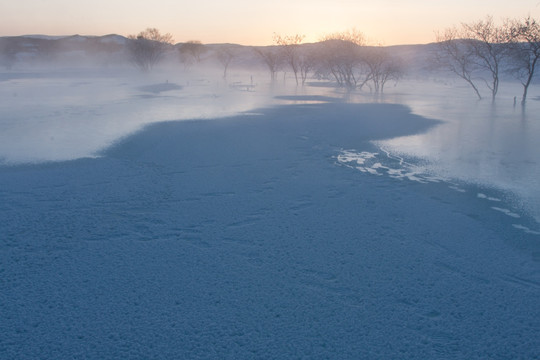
x,y
256,227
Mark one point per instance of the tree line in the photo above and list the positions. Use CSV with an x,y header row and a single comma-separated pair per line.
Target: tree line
x,y
480,52
341,57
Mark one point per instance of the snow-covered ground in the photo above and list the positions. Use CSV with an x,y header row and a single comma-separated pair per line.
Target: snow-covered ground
x,y
290,223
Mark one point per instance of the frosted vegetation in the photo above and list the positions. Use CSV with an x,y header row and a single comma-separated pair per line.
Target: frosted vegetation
x,y
328,200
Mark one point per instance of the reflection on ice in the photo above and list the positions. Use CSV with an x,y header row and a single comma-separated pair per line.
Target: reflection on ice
x,y
493,144
397,168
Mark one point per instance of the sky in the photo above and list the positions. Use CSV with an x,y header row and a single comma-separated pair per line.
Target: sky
x,y
252,22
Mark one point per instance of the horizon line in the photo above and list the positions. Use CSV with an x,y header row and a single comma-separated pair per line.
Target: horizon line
x,y
57,37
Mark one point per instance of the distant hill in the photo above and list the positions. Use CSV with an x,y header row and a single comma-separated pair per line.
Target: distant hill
x,y
111,50
75,50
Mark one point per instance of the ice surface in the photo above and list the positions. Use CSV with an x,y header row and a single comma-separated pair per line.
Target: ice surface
x,y
58,116
493,144
254,235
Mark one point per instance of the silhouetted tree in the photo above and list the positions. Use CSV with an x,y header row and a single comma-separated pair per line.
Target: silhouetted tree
x,y
191,51
225,56
339,57
480,48
381,66
289,45
455,55
525,51
489,45
148,47
307,61
271,58
352,35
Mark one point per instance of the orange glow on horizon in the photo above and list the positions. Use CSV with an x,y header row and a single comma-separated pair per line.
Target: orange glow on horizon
x,y
244,22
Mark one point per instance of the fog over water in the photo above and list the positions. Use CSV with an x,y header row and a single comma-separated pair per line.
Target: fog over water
x,y
61,115
55,117
480,142
273,224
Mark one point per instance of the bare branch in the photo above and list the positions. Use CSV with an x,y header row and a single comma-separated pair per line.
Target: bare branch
x,y
454,55
289,46
271,58
191,51
148,47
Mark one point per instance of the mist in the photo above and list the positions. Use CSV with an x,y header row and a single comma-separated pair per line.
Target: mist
x,y
224,204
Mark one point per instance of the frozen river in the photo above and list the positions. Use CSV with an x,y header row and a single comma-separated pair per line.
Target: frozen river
x,y
490,144
60,116
493,146
263,231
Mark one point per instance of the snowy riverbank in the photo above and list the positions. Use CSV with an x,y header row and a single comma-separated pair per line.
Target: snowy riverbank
x,y
249,237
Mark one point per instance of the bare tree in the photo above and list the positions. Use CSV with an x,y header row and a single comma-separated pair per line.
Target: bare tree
x,y
489,45
191,52
456,56
148,47
306,62
525,51
225,56
339,57
289,46
382,67
335,60
272,59
352,35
